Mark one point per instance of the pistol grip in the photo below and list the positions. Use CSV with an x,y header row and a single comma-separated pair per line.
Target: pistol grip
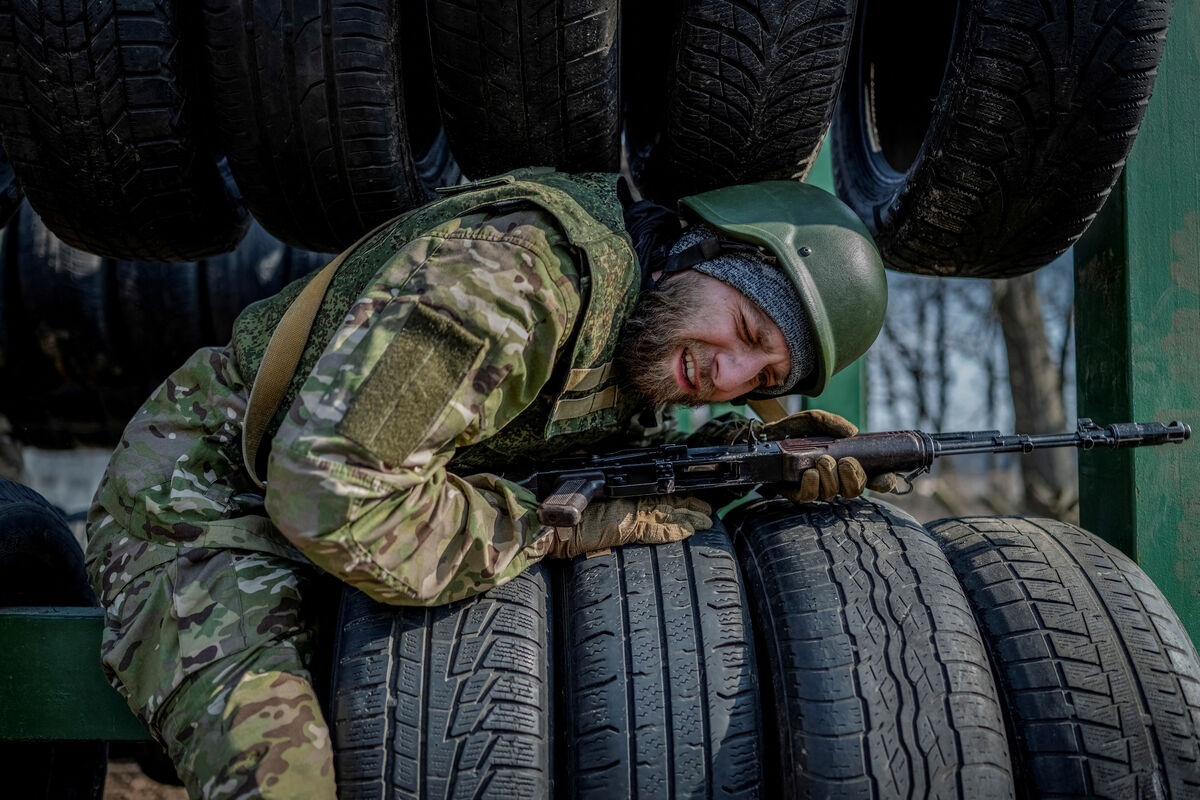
x,y
564,508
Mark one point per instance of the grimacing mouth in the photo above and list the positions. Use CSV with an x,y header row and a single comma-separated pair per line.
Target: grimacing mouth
x,y
689,368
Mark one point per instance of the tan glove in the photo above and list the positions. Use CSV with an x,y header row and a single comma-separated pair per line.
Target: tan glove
x,y
831,477
656,519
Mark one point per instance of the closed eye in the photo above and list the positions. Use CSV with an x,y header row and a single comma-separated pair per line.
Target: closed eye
x,y
750,338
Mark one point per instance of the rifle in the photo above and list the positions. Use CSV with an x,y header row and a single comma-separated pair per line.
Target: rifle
x,y
565,486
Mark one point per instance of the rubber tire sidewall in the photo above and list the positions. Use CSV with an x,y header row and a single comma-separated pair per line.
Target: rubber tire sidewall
x,y
1015,164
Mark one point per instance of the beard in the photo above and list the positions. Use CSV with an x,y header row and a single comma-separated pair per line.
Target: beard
x,y
653,338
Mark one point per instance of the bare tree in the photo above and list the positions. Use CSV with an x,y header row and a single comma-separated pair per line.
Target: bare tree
x,y
1036,385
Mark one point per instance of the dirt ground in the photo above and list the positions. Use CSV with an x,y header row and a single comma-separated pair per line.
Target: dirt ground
x,y
126,782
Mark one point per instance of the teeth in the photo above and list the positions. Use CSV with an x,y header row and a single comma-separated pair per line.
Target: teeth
x,y
689,368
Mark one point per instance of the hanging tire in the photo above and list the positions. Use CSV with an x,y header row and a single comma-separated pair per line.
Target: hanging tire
x,y
987,150
660,682
309,97
68,308
879,682
528,82
41,564
1100,680
104,129
453,701
749,94
87,339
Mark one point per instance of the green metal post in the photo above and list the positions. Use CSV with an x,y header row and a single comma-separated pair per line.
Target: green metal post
x,y
1138,336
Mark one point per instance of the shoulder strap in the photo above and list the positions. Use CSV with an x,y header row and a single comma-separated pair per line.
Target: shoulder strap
x,y
279,364
283,354
769,409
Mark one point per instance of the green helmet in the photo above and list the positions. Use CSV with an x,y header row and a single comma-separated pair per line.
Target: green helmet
x,y
825,250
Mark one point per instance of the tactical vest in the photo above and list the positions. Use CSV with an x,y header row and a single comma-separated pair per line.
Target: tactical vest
x,y
582,403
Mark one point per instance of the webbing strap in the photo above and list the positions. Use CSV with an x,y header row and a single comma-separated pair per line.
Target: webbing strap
x,y
769,409
279,361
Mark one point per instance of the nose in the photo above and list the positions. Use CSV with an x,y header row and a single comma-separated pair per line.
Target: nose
x,y
734,373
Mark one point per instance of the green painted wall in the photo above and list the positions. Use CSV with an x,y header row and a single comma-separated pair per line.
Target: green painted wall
x,y
1138,351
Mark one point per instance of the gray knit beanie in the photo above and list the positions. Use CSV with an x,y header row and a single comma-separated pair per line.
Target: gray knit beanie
x,y
770,289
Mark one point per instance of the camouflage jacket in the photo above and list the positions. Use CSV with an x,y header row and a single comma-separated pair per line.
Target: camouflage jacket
x,y
466,337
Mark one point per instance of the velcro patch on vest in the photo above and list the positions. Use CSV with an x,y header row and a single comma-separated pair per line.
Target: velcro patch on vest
x,y
411,385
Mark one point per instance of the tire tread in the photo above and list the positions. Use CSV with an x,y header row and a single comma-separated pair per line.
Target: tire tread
x,y
524,82
1030,138
446,702
881,683
660,686
97,111
1101,680
310,103
751,93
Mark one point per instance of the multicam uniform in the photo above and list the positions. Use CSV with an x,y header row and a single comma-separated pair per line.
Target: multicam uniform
x,y
468,335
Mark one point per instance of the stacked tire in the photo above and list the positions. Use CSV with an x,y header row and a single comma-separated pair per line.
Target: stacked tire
x,y
631,673
1100,681
824,650
880,683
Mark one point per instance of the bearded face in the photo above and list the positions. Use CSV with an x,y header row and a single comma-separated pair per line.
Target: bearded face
x,y
655,337
694,340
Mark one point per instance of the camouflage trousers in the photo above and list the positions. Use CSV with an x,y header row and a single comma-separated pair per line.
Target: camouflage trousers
x,y
212,650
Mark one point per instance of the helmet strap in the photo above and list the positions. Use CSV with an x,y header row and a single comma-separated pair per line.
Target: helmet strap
x,y
704,250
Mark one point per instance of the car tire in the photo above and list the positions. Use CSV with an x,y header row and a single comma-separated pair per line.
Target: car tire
x,y
453,701
41,564
309,98
987,151
528,83
879,681
1100,680
660,679
89,338
749,92
101,120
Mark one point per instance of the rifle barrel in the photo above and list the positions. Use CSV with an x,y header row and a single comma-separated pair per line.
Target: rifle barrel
x,y
1087,436
567,485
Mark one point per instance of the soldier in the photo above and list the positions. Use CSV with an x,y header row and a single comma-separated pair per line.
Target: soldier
x,y
507,321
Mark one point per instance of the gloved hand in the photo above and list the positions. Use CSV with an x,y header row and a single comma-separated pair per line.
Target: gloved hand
x,y
656,519
830,477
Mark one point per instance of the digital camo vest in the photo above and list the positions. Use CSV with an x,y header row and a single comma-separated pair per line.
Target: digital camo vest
x,y
582,403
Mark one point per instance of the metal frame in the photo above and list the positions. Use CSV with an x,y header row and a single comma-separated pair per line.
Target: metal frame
x,y
1137,301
